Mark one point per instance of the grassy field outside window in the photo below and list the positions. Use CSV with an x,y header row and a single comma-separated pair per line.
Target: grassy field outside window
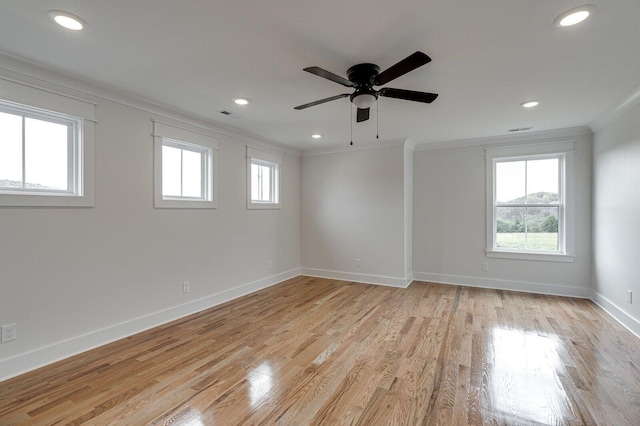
x,y
546,241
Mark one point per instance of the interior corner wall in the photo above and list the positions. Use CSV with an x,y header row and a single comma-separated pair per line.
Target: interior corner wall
x,y
353,215
616,218
76,278
449,238
408,213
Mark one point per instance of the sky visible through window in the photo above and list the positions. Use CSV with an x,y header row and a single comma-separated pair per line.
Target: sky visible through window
x,y
45,153
181,172
261,183
541,176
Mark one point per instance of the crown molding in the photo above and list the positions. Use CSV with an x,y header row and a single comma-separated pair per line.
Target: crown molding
x,y
628,102
36,75
360,146
508,139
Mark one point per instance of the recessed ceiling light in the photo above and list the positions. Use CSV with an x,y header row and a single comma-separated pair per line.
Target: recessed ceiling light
x,y
530,104
68,20
574,16
241,101
316,136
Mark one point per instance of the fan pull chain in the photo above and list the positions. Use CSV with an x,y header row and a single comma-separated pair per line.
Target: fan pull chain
x,y
351,112
378,119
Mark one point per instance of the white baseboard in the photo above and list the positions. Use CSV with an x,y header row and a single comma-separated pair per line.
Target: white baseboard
x,y
22,363
28,361
629,322
359,278
512,285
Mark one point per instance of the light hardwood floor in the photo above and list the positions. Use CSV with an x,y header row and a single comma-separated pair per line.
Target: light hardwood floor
x,y
318,351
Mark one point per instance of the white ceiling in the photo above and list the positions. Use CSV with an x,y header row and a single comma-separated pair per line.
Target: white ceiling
x,y
487,57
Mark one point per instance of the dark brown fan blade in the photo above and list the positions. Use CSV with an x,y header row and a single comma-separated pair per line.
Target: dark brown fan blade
x,y
362,115
409,63
408,95
329,76
321,101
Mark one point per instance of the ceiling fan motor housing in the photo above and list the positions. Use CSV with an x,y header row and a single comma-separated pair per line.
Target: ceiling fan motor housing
x,y
363,76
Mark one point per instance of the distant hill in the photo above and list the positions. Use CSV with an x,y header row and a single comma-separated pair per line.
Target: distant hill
x,y
14,184
537,198
4,183
538,219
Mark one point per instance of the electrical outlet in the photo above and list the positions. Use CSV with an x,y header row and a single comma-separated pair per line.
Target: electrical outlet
x,y
484,266
9,333
630,296
270,265
185,287
357,262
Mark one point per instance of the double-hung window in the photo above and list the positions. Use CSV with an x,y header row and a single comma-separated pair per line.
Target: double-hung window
x,y
38,151
185,164
263,179
46,148
528,201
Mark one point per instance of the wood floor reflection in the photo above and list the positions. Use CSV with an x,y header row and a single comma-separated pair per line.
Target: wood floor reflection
x,y
318,351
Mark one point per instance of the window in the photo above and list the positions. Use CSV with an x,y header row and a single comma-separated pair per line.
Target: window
x,y
263,180
184,170
528,201
46,157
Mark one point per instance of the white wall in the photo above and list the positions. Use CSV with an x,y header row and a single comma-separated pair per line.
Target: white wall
x,y
616,217
450,230
76,278
352,207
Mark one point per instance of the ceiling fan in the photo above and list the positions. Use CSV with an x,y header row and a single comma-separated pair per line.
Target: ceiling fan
x,y
363,77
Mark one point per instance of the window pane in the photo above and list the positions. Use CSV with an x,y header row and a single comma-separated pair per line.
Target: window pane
x,y
171,171
510,180
255,182
46,155
542,181
265,190
510,227
10,150
261,183
542,228
191,174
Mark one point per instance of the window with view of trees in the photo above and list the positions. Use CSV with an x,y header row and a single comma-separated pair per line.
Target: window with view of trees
x,y
528,203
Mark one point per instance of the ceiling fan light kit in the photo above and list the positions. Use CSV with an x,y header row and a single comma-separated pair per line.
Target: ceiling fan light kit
x,y
363,78
364,100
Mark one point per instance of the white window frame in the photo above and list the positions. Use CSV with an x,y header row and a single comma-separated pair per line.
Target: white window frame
x,y
273,161
27,100
190,140
563,150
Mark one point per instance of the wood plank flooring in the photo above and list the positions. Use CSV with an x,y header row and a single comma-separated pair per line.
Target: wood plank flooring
x,y
313,351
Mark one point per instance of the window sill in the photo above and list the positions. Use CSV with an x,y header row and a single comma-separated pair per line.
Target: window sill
x,y
184,204
542,257
45,200
263,206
